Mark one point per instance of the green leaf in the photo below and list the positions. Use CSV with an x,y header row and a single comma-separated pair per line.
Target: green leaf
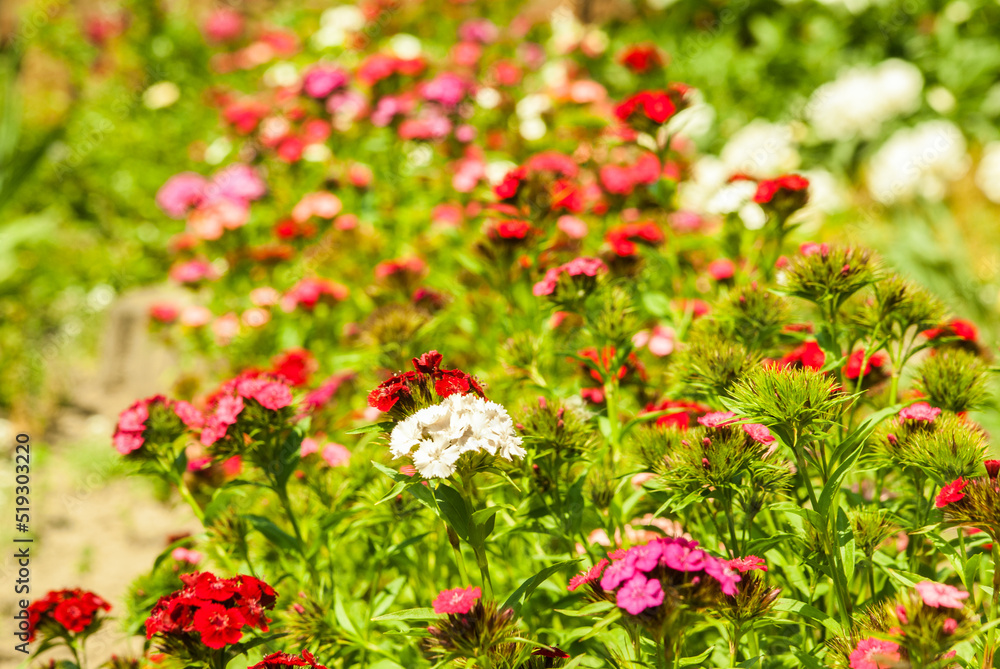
x,y
453,509
375,427
273,533
408,614
525,589
480,517
696,661
656,304
810,613
971,569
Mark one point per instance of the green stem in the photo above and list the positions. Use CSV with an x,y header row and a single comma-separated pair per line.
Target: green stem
x,y
611,397
734,546
990,649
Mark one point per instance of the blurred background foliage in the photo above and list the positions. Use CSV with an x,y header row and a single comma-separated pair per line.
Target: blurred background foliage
x,y
84,145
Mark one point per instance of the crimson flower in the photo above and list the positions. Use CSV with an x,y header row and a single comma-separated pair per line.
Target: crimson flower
x,y
218,625
951,493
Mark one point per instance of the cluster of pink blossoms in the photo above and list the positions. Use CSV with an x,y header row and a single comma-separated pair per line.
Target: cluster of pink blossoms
x,y
636,576
271,393
584,266
130,433
757,432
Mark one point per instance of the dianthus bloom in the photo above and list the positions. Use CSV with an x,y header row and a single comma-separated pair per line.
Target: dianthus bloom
x,y
212,610
955,328
589,576
459,600
647,108
853,367
875,654
310,291
623,238
951,493
920,411
62,611
461,424
135,422
939,595
641,58
641,577
406,391
269,391
789,186
808,355
639,594
578,267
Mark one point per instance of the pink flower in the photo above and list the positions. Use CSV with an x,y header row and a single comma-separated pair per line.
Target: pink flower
x,y
874,654
459,600
724,574
126,442
193,271
223,25
322,80
660,341
920,411
939,594
182,554
322,205
950,625
572,227
188,414
721,269
618,572
717,419
180,193
309,446
640,594
272,395
759,433
589,576
237,182
446,89
336,455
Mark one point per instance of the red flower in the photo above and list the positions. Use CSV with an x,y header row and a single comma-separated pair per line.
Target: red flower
x,y
75,610
218,626
511,184
748,563
955,328
808,355
992,468
553,652
281,660
951,492
641,58
295,365
589,576
211,587
853,367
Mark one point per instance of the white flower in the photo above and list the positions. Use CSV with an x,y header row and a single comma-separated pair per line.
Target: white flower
x,y
859,101
460,424
920,160
761,150
988,173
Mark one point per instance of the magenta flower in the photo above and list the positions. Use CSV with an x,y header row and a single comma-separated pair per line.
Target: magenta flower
x,y
920,411
940,595
619,571
459,600
724,574
323,80
639,594
273,395
646,557
874,654
681,555
237,182
748,563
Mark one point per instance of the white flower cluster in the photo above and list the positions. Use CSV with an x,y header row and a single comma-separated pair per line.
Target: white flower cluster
x,y
460,424
920,160
858,102
761,149
988,174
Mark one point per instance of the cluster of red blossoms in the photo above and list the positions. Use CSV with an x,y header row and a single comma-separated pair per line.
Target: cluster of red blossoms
x,y
71,610
212,610
648,109
404,391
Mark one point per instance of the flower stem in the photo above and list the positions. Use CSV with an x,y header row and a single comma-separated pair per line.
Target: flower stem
x,y
990,648
186,495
